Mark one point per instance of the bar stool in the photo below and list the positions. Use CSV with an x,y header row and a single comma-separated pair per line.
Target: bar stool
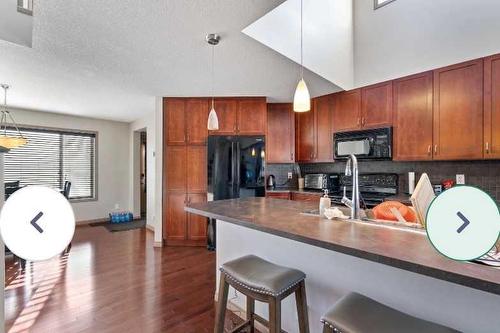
x,y
355,313
261,280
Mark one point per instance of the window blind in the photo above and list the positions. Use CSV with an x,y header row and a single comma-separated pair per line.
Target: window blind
x,y
52,157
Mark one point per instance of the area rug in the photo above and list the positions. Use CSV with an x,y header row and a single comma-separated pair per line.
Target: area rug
x,y
125,226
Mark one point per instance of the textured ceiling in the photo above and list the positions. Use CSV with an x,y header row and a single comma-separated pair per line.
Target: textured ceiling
x,y
108,59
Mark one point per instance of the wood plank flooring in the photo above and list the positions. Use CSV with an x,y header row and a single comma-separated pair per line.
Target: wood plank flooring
x,y
114,282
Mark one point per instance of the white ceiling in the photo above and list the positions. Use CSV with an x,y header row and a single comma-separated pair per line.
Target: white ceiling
x,y
108,59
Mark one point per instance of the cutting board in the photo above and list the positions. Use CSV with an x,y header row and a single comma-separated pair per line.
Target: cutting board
x,y
422,197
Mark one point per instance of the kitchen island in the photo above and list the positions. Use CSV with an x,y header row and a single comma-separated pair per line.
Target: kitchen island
x,y
395,266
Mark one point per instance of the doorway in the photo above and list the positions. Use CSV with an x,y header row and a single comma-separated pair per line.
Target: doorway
x,y
143,174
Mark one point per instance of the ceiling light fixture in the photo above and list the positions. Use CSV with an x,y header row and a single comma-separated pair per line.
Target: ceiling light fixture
x,y
213,120
9,141
301,99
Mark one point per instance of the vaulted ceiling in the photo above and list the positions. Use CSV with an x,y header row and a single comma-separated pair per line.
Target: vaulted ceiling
x,y
109,59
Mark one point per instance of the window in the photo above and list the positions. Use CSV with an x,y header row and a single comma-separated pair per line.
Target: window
x,y
52,157
25,7
381,3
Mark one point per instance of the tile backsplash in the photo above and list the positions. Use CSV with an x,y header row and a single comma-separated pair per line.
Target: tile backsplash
x,y
483,174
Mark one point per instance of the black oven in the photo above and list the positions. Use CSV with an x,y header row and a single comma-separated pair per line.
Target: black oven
x,y
364,144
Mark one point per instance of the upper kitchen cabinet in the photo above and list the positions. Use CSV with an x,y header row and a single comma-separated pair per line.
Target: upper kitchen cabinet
x,y
185,121
314,132
458,111
412,123
347,111
492,107
280,135
323,107
305,136
241,116
376,105
174,112
227,110
252,116
196,121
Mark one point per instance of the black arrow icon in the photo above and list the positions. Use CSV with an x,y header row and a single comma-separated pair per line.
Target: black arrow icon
x,y
34,224
466,222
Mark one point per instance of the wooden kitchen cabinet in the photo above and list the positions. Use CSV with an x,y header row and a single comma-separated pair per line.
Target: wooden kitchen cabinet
x,y
305,136
458,111
324,134
175,223
278,195
413,118
196,167
309,197
252,116
175,162
492,107
185,120
174,113
314,132
280,134
347,111
196,121
196,224
227,113
376,105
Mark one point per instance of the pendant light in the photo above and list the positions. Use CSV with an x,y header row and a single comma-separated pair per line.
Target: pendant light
x,y
213,120
9,141
301,99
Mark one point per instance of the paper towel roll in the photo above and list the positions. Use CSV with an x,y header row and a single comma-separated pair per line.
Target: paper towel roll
x,y
411,182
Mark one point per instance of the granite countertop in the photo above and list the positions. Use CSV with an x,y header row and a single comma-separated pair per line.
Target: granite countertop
x,y
408,250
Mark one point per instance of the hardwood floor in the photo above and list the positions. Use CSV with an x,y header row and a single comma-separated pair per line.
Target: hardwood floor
x,y
114,282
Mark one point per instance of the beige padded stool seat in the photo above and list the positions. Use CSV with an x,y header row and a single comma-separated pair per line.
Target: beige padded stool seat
x,y
355,313
261,280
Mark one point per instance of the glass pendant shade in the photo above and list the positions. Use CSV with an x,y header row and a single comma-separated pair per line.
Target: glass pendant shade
x,y
11,142
301,99
213,120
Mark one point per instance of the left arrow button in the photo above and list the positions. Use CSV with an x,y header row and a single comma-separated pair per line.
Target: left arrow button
x,y
34,220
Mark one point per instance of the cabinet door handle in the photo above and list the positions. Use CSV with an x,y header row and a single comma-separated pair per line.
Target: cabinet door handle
x,y
363,121
359,121
291,156
435,149
487,148
429,150
188,137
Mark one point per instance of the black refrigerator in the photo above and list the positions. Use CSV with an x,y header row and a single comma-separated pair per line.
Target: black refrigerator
x,y
235,170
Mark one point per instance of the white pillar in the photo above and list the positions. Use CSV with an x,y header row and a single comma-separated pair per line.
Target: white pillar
x,y
158,215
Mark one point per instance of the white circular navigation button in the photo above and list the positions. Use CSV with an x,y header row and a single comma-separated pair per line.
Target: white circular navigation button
x,y
463,223
37,223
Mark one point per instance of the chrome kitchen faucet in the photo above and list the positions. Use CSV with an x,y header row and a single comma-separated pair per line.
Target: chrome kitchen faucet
x,y
351,169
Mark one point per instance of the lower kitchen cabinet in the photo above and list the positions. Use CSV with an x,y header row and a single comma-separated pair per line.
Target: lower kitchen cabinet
x,y
196,224
310,197
183,228
278,195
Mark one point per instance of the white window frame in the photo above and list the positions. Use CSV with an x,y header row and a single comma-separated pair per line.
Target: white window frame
x,y
378,4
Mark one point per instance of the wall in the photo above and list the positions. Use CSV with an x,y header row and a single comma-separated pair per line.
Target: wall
x,y
158,186
112,159
328,36
2,256
407,37
483,174
147,124
15,27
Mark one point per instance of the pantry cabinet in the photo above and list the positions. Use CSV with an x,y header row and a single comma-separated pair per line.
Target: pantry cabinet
x,y
241,116
185,120
458,111
492,107
280,134
413,118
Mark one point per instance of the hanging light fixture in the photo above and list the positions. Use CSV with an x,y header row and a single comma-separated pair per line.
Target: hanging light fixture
x,y
9,141
213,120
301,99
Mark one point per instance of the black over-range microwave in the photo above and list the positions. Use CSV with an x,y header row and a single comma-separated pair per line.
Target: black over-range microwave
x,y
364,144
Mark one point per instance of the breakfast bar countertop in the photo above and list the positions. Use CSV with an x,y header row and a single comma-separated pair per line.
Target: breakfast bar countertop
x,y
404,249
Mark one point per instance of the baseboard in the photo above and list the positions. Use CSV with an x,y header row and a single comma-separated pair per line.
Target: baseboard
x,y
150,227
87,222
158,244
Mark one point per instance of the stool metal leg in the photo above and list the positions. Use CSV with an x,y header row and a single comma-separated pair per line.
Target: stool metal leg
x,y
327,329
275,315
301,301
250,313
221,304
